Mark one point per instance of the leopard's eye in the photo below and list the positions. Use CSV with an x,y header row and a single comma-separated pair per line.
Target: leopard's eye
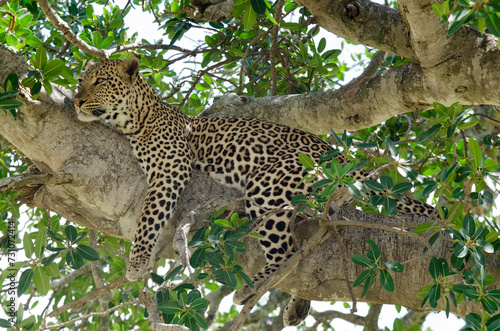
x,y
99,80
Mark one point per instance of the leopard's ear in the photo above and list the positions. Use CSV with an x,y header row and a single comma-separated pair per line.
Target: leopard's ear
x,y
128,69
89,64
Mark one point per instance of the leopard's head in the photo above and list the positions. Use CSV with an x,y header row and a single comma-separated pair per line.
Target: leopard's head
x,y
107,91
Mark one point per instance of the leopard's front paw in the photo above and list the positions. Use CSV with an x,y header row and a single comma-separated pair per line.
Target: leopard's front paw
x,y
242,295
137,268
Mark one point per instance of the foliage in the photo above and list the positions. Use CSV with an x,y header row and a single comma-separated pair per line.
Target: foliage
x,y
479,14
446,155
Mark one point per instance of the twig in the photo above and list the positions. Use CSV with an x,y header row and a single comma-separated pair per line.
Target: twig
x,y
92,295
64,28
59,284
99,283
349,222
102,313
274,46
12,22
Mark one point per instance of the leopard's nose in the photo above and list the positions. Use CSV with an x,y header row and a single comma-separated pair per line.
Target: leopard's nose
x,y
79,102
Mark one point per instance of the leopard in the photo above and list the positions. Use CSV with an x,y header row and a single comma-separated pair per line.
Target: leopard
x,y
257,157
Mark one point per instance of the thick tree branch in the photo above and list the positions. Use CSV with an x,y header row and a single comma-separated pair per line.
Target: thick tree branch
x,y
429,39
370,101
363,22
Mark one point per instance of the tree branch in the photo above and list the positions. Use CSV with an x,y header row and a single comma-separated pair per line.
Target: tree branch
x,y
64,28
94,294
363,22
19,182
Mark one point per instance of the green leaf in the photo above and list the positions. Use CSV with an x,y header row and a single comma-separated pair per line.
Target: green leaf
x,y
41,280
361,260
53,68
434,268
256,235
402,187
87,252
368,284
24,281
434,295
373,185
230,279
306,160
173,272
394,266
40,58
249,18
11,83
392,148
469,225
4,323
398,325
386,281
485,246
476,153
374,254
198,258
474,321
71,233
259,6
429,133
29,248
493,24
40,242
169,307
361,278
200,321
390,206
321,45
200,303
52,270
460,250
28,323
10,104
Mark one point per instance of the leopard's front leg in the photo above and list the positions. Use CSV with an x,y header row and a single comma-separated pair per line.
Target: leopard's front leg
x,y
161,200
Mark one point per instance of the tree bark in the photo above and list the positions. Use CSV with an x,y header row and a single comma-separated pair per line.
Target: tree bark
x,y
108,190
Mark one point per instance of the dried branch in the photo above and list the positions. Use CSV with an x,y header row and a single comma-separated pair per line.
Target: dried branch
x,y
324,316
94,294
103,313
